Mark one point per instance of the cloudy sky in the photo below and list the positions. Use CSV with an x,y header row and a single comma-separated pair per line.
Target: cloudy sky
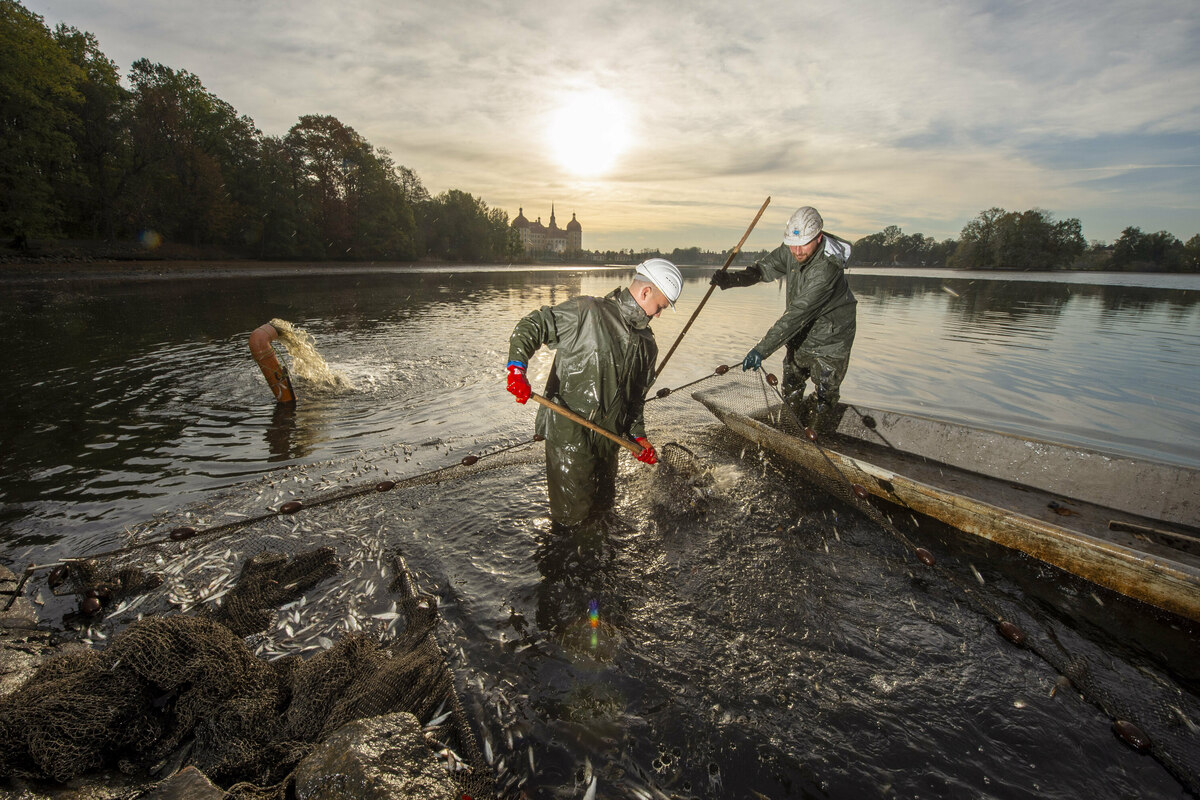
x,y
666,124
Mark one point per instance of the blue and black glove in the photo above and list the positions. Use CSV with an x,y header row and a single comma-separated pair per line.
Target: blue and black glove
x,y
753,360
727,279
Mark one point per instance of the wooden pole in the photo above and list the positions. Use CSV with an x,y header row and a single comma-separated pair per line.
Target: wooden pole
x,y
632,447
708,294
1129,527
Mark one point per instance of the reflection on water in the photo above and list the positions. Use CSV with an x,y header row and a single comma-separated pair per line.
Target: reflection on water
x,y
282,435
722,638
135,392
1106,366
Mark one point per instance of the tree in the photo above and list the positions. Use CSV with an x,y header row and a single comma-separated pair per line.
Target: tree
x,y
688,255
38,87
100,135
977,244
382,210
893,247
1031,240
192,153
1191,254
1147,252
355,199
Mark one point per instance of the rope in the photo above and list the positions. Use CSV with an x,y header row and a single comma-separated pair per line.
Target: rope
x,y
1076,673
184,533
721,370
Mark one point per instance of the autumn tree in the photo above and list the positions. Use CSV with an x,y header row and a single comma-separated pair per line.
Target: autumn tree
x,y
194,157
99,133
1031,240
893,247
1138,251
39,88
461,227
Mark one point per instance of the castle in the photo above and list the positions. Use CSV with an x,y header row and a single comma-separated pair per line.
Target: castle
x,y
538,238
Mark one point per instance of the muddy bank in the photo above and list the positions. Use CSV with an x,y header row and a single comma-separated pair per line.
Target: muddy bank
x,y
33,271
61,260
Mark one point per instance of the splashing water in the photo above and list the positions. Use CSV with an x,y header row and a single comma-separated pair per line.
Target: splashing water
x,y
307,363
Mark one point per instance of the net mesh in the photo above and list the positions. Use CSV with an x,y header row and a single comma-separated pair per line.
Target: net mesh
x,y
1149,710
237,641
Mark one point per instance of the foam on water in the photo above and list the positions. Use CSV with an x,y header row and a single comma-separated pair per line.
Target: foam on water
x,y
307,363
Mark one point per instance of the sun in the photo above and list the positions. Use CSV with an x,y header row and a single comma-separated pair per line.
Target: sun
x,y
589,132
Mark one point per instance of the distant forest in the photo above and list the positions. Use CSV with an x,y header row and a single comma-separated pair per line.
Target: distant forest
x,y
164,160
999,239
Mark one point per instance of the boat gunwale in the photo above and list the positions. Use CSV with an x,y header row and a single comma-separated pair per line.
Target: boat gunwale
x,y
1147,574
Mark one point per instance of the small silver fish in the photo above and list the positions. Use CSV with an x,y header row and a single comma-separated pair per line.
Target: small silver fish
x,y
438,720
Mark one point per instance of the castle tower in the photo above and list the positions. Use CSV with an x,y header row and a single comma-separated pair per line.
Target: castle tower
x,y
574,235
537,238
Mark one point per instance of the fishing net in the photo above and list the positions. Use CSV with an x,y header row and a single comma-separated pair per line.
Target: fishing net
x,y
1149,710
236,641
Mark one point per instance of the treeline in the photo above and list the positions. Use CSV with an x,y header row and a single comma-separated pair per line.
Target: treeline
x,y
996,239
84,157
1029,240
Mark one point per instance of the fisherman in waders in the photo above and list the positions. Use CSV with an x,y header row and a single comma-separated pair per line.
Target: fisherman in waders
x,y
602,369
818,324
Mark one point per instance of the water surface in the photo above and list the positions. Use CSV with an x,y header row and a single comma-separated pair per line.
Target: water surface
x,y
757,635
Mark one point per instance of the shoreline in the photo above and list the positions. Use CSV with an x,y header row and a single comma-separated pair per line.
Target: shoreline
x,y
69,263
48,269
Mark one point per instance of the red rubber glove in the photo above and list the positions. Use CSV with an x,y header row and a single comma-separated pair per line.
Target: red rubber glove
x,y
647,455
517,384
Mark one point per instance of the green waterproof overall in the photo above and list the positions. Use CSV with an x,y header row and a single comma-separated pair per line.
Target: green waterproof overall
x,y
817,326
603,367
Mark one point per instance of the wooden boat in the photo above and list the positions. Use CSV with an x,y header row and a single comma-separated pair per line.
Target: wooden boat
x,y
1124,523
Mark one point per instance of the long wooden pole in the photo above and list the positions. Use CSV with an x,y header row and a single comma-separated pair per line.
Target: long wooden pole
x,y
571,415
708,294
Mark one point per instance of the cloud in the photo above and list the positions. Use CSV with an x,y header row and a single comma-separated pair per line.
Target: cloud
x,y
925,112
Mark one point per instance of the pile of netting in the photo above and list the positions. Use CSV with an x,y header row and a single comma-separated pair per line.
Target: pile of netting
x,y
236,642
1149,711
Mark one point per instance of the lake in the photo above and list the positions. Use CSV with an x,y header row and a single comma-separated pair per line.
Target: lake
x,y
762,639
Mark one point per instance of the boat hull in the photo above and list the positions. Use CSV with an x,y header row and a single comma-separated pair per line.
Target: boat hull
x,y
1075,534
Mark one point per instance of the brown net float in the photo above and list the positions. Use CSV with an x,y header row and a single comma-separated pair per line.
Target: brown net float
x,y
1012,632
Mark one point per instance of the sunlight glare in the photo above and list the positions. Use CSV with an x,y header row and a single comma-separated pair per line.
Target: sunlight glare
x,y
589,132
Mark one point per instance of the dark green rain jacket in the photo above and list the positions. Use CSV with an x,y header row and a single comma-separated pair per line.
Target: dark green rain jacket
x,y
820,313
604,363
